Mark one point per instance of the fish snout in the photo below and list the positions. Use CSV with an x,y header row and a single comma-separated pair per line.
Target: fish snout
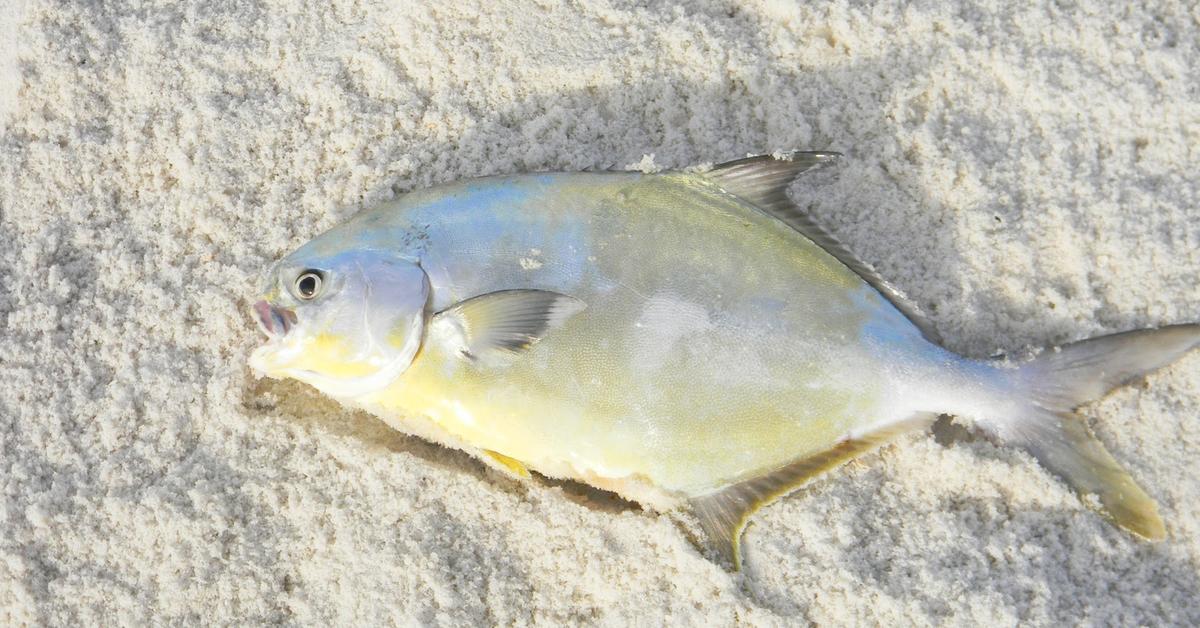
x,y
274,321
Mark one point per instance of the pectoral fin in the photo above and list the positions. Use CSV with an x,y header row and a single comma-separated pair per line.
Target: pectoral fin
x,y
508,321
723,513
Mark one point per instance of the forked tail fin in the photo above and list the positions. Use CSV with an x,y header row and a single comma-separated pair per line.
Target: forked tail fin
x,y
1059,380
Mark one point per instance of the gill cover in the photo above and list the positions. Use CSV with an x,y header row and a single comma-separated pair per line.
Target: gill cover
x,y
395,294
360,333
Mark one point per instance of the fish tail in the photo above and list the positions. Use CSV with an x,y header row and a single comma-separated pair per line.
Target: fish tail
x,y
1060,380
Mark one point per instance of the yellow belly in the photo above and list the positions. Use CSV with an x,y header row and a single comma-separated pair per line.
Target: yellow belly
x,y
609,434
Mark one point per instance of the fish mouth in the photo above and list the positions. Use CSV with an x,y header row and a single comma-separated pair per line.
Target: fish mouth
x,y
274,321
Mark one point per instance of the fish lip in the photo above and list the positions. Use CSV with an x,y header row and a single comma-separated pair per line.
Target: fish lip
x,y
274,321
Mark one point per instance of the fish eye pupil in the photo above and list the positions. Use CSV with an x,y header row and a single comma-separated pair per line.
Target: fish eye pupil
x,y
308,284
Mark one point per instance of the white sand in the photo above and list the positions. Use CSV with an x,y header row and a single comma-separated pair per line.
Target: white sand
x,y
1028,175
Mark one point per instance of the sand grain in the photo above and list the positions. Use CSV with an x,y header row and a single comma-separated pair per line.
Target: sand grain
x,y
1027,174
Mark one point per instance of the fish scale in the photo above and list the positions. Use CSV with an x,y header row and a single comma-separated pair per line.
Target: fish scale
x,y
685,339
637,387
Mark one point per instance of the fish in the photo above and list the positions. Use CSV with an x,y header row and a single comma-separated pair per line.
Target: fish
x,y
688,339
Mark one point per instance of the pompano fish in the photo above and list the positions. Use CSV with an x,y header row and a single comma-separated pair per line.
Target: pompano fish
x,y
684,339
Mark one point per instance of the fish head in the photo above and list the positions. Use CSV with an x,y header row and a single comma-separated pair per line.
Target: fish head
x,y
346,322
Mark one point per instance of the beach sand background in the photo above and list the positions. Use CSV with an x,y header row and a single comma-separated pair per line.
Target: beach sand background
x,y
1028,175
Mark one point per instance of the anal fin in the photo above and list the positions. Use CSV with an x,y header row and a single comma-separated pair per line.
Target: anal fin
x,y
723,513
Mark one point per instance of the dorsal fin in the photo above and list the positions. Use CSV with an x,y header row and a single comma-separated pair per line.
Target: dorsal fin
x,y
723,513
763,181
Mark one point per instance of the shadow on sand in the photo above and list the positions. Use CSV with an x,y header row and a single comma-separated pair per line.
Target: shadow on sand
x,y
625,121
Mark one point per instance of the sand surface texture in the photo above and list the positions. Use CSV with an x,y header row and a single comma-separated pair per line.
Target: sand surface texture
x,y
1028,175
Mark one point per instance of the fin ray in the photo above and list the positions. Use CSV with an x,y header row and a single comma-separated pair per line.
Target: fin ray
x,y
763,181
723,513
510,465
506,321
1061,379
1064,445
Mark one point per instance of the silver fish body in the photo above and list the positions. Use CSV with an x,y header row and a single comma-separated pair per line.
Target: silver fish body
x,y
679,338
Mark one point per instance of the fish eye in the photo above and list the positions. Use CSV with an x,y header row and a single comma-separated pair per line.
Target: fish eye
x,y
308,284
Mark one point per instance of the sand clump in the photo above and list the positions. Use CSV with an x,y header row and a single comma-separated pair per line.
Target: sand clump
x,y
1027,174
